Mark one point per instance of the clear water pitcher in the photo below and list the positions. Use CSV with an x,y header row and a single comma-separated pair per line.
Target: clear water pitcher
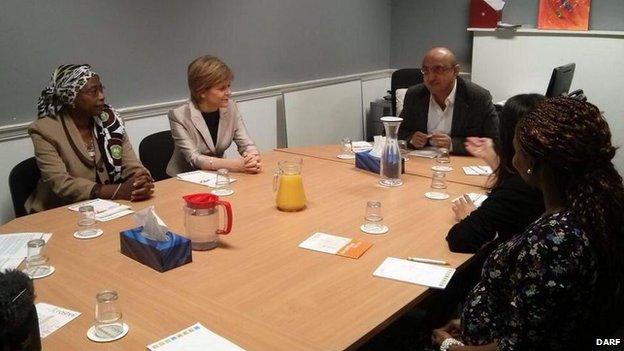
x,y
390,170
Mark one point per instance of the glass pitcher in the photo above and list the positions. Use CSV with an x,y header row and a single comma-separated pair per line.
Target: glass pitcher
x,y
390,170
201,220
288,183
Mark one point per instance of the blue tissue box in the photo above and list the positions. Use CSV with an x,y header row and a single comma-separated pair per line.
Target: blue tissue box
x,y
159,255
364,160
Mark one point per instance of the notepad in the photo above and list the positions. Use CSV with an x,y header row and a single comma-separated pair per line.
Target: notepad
x,y
105,210
13,248
336,245
477,170
434,276
201,177
477,199
194,338
51,318
426,152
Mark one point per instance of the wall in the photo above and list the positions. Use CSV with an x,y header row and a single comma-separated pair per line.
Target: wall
x,y
142,47
420,25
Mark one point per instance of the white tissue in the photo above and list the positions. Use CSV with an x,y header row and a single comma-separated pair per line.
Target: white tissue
x,y
378,146
153,227
496,4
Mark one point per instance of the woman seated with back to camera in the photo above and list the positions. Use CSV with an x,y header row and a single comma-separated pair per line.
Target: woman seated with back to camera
x,y
558,285
81,145
511,204
204,127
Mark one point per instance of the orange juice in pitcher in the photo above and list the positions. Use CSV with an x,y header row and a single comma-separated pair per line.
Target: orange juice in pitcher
x,y
288,183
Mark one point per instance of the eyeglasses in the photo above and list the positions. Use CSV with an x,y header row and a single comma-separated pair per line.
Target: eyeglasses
x,y
435,69
94,90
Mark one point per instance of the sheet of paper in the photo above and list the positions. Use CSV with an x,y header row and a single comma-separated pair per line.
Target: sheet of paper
x,y
426,152
194,338
201,177
105,210
434,276
10,263
477,170
51,318
335,245
14,245
477,199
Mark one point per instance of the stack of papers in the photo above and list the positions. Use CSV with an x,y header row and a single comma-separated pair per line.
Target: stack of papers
x,y
51,318
105,210
426,152
13,248
335,245
359,146
201,177
415,272
194,338
477,199
477,170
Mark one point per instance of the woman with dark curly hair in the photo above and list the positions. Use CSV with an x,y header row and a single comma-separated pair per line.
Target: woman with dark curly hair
x,y
560,284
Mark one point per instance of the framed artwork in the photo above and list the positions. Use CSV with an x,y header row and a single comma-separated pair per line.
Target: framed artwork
x,y
563,14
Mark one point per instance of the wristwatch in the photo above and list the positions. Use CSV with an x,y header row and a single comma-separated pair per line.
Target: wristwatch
x,y
447,343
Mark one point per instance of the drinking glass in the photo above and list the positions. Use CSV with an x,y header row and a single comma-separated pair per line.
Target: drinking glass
x,y
403,149
86,221
222,183
442,160
346,148
373,219
438,186
36,260
108,321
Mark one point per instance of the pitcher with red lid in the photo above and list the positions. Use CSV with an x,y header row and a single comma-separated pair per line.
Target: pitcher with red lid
x,y
201,220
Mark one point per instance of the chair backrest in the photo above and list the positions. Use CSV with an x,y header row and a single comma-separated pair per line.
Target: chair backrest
x,y
155,152
22,182
403,78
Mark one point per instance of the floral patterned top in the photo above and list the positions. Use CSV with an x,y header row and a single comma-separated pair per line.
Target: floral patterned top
x,y
535,288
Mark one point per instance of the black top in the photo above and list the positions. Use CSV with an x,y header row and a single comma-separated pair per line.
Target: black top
x,y
212,122
474,114
508,210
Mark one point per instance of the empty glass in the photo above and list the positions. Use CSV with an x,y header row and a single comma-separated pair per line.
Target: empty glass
x,y
222,183
438,186
108,321
443,160
373,219
346,151
86,222
403,149
36,261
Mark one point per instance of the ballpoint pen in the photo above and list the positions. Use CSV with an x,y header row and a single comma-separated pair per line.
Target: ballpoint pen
x,y
427,260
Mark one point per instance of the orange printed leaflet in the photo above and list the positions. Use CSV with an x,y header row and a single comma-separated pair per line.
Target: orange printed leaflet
x,y
336,245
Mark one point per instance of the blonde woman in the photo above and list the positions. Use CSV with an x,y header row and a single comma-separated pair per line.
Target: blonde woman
x,y
205,126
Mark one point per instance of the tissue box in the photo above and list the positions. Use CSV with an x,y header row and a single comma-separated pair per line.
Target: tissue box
x,y
364,160
159,255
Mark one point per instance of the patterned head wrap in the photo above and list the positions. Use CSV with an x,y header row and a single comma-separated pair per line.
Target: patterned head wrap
x,y
65,83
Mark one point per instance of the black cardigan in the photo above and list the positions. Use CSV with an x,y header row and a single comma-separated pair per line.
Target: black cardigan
x,y
509,208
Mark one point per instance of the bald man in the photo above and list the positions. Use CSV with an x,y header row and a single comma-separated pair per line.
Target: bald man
x,y
446,109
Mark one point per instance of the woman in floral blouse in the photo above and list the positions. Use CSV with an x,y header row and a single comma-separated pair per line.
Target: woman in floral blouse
x,y
558,285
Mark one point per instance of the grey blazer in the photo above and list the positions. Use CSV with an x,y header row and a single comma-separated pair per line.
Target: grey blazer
x,y
192,137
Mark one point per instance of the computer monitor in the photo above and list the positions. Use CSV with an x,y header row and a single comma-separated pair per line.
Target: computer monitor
x,y
560,80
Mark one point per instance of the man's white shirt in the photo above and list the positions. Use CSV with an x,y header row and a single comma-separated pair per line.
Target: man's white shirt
x,y
439,120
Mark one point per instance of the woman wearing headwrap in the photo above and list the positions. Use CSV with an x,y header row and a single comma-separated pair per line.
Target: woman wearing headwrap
x,y
81,146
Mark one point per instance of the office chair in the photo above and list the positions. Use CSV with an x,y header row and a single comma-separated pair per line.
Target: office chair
x,y
22,182
401,79
155,152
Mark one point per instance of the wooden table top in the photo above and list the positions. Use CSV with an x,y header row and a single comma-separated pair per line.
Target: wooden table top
x,y
258,289
414,165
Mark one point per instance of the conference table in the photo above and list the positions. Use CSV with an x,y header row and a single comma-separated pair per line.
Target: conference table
x,y
257,289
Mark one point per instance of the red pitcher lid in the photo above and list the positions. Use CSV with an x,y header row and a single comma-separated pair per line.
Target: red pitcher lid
x,y
202,200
